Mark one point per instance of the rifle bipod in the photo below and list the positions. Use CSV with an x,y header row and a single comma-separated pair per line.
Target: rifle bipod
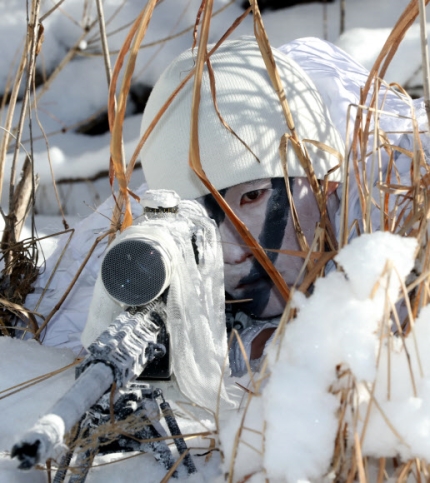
x,y
139,400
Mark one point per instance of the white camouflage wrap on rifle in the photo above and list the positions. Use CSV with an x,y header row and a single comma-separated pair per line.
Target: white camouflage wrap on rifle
x,y
195,304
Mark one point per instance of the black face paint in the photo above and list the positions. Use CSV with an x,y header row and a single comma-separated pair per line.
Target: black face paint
x,y
271,236
213,208
258,284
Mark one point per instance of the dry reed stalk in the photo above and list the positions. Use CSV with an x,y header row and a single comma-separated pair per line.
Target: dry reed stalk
x,y
420,286
299,148
317,270
385,275
54,184
10,114
116,117
235,334
106,58
404,471
103,40
304,246
341,450
195,163
425,59
309,267
411,325
23,196
51,11
71,54
163,109
359,459
32,50
96,38
36,380
174,467
237,440
381,470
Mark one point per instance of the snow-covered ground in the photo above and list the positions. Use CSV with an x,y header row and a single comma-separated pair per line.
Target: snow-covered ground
x,y
80,91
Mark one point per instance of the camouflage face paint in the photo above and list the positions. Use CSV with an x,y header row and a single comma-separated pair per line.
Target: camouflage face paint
x,y
257,283
263,205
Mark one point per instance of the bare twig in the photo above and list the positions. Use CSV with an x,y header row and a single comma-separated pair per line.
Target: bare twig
x,y
425,58
33,33
10,115
71,285
105,46
50,11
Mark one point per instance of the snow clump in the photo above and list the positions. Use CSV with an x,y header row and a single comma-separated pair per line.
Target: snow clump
x,y
339,328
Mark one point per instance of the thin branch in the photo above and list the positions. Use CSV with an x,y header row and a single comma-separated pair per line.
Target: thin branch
x,y
49,12
425,58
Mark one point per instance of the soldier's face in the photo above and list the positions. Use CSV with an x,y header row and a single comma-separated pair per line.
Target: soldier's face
x,y
263,206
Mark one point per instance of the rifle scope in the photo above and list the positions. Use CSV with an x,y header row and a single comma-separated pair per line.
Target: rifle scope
x,y
135,271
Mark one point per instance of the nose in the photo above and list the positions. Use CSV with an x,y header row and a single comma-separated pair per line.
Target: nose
x,y
234,249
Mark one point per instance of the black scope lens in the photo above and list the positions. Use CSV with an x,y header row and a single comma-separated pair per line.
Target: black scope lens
x,y
133,272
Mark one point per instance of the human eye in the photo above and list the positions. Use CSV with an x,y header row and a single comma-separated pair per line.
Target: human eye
x,y
252,196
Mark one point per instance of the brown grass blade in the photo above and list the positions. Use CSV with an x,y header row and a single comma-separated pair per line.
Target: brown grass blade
x,y
195,163
391,45
269,60
197,23
293,211
165,106
359,459
116,120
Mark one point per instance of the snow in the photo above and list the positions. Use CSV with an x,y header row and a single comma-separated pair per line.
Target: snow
x,y
21,363
358,43
23,355
339,326
406,402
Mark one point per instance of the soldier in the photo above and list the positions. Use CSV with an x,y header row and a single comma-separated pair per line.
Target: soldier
x,y
239,150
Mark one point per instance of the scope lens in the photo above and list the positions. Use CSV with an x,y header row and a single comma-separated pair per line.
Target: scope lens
x,y
133,272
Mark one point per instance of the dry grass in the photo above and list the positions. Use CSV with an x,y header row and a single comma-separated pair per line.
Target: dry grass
x,y
408,218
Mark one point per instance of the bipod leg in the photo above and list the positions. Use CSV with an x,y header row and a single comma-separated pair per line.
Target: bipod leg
x,y
83,464
155,437
151,434
173,426
84,459
60,475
